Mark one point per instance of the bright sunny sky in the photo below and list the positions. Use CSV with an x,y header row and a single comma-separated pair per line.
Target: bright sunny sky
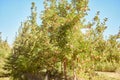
x,y
13,12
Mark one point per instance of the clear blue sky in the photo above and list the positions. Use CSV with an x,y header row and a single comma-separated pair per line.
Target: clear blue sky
x,y
13,12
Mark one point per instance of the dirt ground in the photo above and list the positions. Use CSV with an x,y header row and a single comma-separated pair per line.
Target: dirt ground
x,y
110,74
4,78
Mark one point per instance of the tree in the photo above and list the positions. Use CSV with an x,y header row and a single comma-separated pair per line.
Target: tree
x,y
4,52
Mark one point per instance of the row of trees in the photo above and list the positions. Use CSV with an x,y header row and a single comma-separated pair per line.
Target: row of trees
x,y
58,49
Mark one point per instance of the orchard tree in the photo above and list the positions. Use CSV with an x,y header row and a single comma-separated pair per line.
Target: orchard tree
x,y
4,52
64,20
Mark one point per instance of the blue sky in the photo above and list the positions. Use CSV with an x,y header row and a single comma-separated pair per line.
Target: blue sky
x,y
13,12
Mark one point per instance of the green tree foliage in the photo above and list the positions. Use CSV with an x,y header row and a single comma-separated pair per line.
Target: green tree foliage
x,y
58,48
4,52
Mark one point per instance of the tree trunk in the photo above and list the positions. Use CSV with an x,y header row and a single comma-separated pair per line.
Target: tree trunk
x,y
65,71
74,75
46,77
